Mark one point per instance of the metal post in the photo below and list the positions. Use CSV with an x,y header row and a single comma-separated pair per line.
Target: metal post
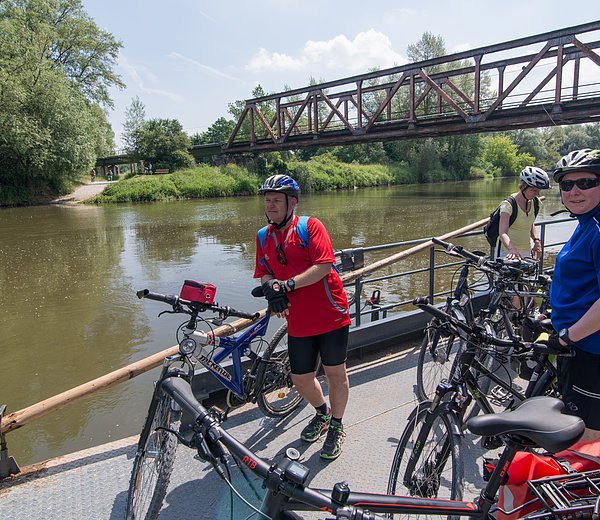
x,y
357,289
431,273
8,465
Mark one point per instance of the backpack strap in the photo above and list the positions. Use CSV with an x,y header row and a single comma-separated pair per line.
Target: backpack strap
x,y
515,210
536,206
302,230
262,236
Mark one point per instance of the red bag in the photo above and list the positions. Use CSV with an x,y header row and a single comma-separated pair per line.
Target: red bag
x,y
530,466
198,292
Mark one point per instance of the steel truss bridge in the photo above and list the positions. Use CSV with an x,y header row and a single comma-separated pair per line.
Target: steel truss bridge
x,y
544,80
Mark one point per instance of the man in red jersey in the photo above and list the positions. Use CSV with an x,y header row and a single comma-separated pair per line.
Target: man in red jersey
x,y
301,284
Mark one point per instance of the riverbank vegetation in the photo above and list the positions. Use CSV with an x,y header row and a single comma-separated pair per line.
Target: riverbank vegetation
x,y
56,68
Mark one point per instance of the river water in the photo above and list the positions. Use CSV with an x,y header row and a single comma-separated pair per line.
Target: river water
x,y
68,276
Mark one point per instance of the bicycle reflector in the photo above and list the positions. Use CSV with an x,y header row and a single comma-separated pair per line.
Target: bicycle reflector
x,y
198,292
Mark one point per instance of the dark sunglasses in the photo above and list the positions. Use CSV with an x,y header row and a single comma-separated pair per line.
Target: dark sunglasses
x,y
583,184
281,254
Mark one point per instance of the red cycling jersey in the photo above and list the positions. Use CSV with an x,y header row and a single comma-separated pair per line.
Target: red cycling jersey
x,y
314,309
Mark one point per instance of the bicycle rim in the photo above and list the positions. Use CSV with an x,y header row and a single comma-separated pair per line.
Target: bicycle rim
x,y
438,468
275,394
436,359
153,462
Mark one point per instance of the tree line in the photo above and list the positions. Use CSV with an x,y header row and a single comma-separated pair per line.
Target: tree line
x,y
56,68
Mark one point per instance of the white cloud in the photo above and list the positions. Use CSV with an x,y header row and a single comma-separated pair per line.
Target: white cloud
x,y
367,50
205,68
140,75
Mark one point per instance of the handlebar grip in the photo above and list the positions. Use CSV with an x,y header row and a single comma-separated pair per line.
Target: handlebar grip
x,y
170,299
181,392
245,315
423,303
440,242
460,251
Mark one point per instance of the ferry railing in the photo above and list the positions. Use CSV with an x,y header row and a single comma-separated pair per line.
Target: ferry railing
x,y
362,307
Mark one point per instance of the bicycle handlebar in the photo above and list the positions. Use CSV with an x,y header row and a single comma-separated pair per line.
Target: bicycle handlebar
x,y
280,477
174,301
514,266
480,333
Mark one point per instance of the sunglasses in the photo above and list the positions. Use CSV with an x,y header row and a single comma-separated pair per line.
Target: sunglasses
x,y
582,184
281,254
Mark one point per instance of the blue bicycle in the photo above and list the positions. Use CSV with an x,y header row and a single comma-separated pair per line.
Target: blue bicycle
x,y
266,382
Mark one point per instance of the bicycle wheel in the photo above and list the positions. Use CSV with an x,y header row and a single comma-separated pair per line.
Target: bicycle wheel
x,y
428,460
154,460
436,357
275,394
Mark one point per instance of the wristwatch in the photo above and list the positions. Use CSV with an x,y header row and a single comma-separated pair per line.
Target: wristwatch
x,y
290,283
564,335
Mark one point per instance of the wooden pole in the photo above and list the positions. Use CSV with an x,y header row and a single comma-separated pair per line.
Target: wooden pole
x,y
15,420
348,277
20,418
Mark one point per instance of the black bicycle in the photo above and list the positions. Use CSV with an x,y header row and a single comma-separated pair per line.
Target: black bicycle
x,y
538,422
429,458
267,381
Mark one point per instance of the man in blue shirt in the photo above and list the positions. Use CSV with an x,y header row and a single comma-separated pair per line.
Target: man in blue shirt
x,y
575,290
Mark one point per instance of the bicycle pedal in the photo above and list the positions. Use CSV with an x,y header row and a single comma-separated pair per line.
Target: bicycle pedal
x,y
216,413
500,395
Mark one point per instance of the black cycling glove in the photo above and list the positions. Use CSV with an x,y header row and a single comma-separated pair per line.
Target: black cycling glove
x,y
274,291
554,343
278,305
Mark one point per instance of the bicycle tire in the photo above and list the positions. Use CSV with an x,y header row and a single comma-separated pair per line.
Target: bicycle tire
x,y
154,460
276,395
436,357
431,476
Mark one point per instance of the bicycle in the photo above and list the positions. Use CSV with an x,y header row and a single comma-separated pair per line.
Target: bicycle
x,y
513,279
434,431
537,421
267,381
438,348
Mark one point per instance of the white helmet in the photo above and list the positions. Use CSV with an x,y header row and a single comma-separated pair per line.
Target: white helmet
x,y
535,177
578,160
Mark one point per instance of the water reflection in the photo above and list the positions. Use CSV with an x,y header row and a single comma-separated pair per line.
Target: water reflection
x,y
68,276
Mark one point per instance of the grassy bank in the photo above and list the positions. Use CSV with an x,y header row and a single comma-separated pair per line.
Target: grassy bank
x,y
321,173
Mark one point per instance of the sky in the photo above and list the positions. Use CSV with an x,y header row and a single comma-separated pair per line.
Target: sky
x,y
187,60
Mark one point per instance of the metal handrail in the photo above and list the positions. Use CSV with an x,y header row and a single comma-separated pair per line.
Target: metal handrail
x,y
360,305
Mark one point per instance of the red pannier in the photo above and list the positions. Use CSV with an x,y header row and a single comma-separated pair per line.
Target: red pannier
x,y
530,466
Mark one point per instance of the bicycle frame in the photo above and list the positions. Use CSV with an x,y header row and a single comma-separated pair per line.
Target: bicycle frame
x,y
286,481
236,347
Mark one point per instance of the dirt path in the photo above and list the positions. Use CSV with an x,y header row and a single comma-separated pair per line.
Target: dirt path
x,y
84,192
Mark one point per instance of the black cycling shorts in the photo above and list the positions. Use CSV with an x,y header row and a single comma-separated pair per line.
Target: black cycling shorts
x,y
332,346
579,384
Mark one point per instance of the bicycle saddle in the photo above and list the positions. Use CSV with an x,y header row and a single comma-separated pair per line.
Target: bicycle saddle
x,y
538,419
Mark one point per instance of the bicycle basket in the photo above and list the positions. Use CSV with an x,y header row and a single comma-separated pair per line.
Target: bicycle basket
x,y
568,496
198,292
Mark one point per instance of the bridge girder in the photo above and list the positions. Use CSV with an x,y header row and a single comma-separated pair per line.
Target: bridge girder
x,y
442,96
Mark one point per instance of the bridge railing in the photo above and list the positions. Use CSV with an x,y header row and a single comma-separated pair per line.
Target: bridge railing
x,y
495,87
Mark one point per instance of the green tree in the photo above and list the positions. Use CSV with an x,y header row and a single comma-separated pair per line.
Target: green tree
x,y
164,143
135,115
218,132
502,154
55,71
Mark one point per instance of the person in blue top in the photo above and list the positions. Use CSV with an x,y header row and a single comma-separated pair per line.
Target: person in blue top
x,y
575,289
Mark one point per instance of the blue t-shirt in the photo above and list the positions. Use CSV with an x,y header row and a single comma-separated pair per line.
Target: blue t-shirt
x,y
576,281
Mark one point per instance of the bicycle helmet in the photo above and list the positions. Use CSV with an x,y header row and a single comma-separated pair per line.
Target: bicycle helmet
x,y
535,177
281,184
585,160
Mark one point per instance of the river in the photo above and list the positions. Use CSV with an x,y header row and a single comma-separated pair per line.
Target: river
x,y
68,311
